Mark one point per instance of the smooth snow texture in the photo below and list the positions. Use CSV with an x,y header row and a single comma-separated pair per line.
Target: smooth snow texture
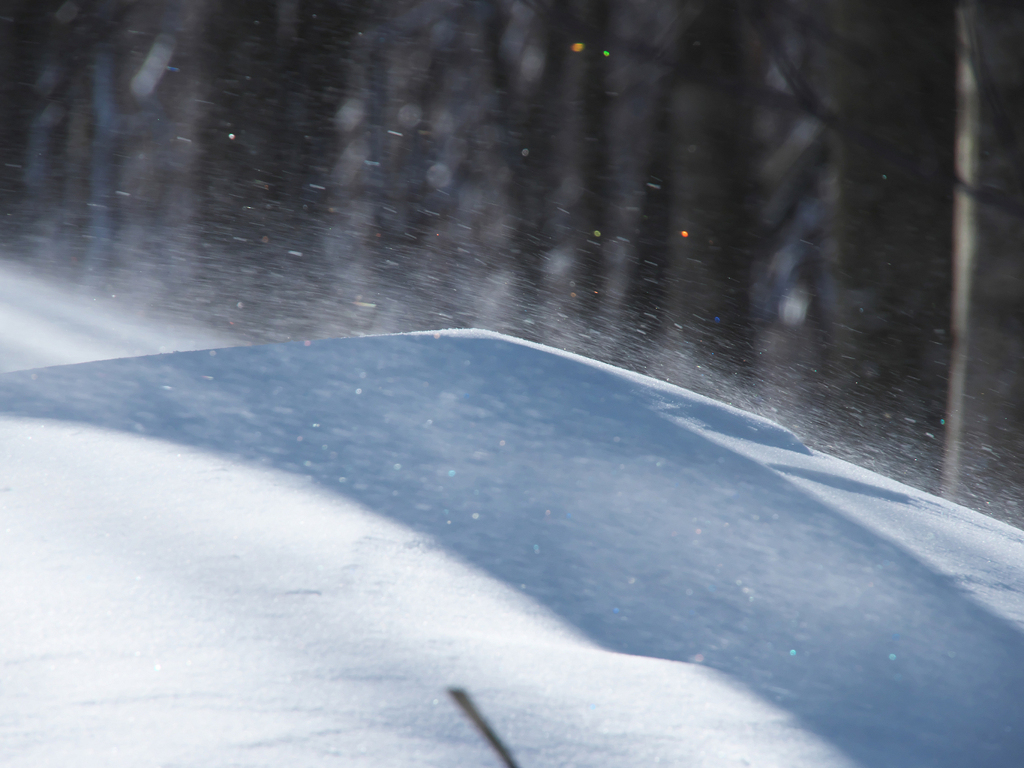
x,y
42,324
281,555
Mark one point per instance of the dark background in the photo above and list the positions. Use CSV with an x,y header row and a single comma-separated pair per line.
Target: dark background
x,y
316,168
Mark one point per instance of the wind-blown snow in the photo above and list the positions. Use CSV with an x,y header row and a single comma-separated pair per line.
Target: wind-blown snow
x,y
282,555
42,324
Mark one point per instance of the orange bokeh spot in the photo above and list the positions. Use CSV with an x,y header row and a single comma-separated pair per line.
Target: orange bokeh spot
x,y
684,233
577,47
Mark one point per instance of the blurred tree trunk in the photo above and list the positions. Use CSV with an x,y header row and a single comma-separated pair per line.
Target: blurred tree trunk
x,y
708,177
105,119
10,103
891,75
964,239
642,49
791,279
991,311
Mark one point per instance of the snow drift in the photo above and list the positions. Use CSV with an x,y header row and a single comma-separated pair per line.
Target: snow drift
x,y
282,554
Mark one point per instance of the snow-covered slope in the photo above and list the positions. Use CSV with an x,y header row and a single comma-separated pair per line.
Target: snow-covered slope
x,y
282,555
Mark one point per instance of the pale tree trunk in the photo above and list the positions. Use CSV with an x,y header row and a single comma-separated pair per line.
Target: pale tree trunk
x,y
964,242
985,414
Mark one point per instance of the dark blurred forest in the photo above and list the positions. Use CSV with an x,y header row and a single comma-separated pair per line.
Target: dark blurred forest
x,y
762,200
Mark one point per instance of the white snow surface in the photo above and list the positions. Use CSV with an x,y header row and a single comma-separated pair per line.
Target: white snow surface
x,y
283,555
44,324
